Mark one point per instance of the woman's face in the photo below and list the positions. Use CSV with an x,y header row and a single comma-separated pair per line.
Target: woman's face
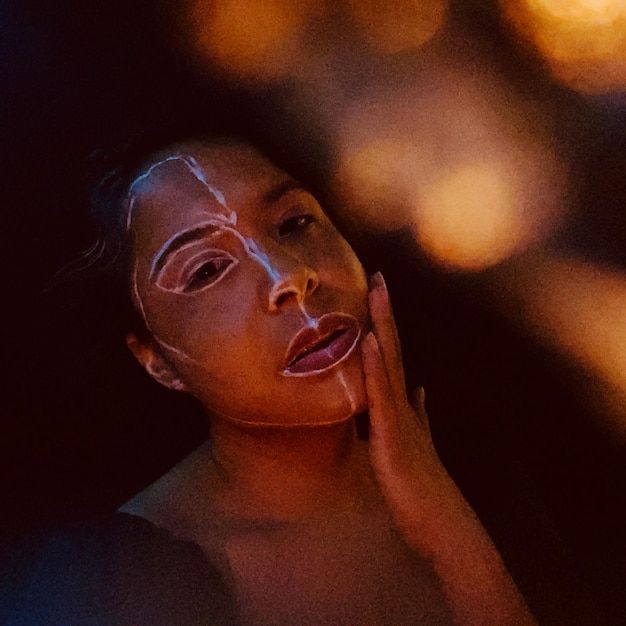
x,y
254,302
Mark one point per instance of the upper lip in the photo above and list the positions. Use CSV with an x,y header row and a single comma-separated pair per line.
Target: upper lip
x,y
308,338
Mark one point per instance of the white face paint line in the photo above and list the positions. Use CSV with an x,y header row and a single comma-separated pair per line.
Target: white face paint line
x,y
198,172
177,351
181,289
142,311
164,247
231,218
250,246
226,225
223,222
194,167
352,400
255,253
311,322
141,178
290,374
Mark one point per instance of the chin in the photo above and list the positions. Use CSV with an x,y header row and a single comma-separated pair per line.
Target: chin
x,y
340,398
319,400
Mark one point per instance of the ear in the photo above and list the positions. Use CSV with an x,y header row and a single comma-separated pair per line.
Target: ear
x,y
149,355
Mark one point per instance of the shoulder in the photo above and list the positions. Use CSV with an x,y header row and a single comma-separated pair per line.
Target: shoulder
x,y
171,488
116,569
175,496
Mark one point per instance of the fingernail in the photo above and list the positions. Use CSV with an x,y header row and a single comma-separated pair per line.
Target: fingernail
x,y
377,281
369,340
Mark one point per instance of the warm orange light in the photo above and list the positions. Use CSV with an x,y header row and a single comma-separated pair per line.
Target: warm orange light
x,y
469,218
399,25
380,175
460,161
583,41
578,309
584,11
249,38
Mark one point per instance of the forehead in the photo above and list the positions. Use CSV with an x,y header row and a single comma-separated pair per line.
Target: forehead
x,y
190,182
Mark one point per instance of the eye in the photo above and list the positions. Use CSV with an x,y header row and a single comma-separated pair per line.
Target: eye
x,y
207,273
295,223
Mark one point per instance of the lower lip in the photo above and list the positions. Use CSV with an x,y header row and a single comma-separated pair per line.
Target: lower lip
x,y
326,358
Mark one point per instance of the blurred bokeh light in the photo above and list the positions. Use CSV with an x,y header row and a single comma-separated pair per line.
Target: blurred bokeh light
x,y
405,24
249,39
468,219
577,308
434,139
582,41
454,159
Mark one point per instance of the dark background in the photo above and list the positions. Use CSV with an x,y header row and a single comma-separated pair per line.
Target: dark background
x,y
82,427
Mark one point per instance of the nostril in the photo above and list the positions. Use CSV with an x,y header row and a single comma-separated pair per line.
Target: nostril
x,y
282,298
296,286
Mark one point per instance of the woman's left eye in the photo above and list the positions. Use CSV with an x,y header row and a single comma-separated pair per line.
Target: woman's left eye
x,y
295,223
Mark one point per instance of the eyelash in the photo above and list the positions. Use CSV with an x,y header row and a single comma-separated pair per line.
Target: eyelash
x,y
211,270
295,223
200,280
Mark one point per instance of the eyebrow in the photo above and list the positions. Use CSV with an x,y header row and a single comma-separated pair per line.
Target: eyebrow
x,y
177,241
279,190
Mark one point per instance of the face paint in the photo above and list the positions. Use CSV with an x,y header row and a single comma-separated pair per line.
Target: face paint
x,y
194,167
314,350
223,223
349,395
202,270
163,344
311,322
228,346
200,175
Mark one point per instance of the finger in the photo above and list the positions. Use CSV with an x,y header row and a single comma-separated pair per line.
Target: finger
x,y
417,400
386,333
382,409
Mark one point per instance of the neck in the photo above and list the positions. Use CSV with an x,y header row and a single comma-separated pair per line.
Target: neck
x,y
288,473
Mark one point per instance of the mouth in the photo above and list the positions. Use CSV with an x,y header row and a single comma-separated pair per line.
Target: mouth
x,y
316,350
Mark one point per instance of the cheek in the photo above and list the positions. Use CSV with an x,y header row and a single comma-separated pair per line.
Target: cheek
x,y
331,255
217,340
278,401
346,278
211,319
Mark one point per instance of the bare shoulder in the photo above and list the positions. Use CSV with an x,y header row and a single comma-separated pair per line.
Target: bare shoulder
x,y
166,502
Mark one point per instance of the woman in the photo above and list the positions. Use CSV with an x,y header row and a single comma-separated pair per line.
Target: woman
x,y
247,298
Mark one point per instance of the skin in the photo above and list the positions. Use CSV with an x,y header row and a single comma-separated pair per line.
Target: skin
x,y
308,523
238,327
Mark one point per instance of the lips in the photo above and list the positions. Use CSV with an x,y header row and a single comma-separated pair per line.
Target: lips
x,y
315,350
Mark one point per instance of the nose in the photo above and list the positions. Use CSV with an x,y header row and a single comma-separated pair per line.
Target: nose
x,y
292,284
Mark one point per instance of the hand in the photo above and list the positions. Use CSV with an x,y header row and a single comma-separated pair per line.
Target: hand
x,y
426,505
402,453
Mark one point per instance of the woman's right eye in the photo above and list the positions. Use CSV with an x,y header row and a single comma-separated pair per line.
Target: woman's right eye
x,y
191,271
207,273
